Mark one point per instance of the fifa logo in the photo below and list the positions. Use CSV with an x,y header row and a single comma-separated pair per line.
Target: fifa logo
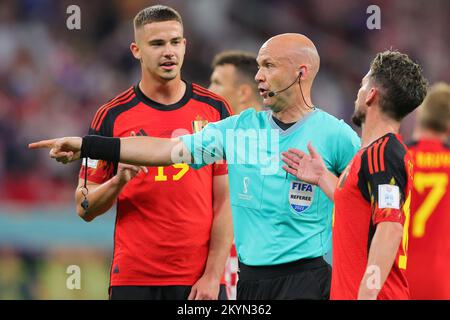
x,y
245,182
244,195
302,187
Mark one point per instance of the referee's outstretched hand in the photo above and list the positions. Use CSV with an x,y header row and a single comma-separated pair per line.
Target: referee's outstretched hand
x,y
63,150
306,167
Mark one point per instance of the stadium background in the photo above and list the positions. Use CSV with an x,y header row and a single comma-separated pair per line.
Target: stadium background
x,y
53,79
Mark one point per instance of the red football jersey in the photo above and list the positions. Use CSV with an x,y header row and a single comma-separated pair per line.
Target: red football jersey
x,y
164,218
375,187
429,247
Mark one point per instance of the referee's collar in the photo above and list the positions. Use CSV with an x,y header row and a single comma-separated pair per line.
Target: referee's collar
x,y
164,107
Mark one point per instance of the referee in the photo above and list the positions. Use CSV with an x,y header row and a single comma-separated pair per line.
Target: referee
x,y
282,225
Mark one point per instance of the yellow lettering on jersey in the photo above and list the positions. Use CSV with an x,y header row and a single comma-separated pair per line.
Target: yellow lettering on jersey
x,y
161,176
438,184
184,168
433,159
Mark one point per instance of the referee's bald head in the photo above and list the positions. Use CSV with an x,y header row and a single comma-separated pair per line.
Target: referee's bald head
x,y
297,50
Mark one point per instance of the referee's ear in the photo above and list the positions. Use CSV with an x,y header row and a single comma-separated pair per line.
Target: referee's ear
x,y
136,51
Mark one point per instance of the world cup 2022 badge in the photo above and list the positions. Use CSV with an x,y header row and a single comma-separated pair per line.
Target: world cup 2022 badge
x,y
198,124
301,195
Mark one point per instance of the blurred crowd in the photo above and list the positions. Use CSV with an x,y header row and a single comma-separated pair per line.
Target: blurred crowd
x,y
26,274
53,79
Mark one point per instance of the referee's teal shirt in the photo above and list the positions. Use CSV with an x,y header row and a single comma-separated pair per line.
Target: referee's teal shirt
x,y
277,218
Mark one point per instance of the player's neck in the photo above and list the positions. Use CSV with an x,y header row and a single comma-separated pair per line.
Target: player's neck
x,y
162,91
376,126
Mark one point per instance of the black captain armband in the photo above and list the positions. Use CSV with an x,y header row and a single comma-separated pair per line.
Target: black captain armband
x,y
101,148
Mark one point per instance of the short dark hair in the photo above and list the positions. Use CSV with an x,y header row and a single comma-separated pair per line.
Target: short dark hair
x,y
245,62
435,110
403,86
158,13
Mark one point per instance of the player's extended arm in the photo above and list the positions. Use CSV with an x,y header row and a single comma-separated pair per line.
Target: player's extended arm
x,y
310,168
382,253
207,287
142,151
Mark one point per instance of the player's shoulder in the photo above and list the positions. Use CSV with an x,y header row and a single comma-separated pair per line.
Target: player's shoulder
x,y
430,145
412,143
388,150
394,144
216,101
389,142
125,98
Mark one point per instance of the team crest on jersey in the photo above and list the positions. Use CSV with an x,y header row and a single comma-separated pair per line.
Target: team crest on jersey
x,y
198,124
301,195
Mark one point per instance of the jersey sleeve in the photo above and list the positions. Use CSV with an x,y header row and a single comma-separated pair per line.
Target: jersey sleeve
x,y
383,180
208,145
98,171
347,146
220,168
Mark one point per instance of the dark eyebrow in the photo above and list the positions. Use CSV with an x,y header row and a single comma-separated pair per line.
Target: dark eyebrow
x,y
156,41
162,41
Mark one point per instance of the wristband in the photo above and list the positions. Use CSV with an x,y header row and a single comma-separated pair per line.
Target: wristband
x,y
100,148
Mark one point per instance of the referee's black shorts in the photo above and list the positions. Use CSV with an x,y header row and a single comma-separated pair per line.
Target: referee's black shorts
x,y
302,279
156,292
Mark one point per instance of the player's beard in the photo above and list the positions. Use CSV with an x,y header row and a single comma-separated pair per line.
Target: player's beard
x,y
358,117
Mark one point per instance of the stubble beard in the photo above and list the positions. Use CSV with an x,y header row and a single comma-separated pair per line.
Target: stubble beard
x,y
358,118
